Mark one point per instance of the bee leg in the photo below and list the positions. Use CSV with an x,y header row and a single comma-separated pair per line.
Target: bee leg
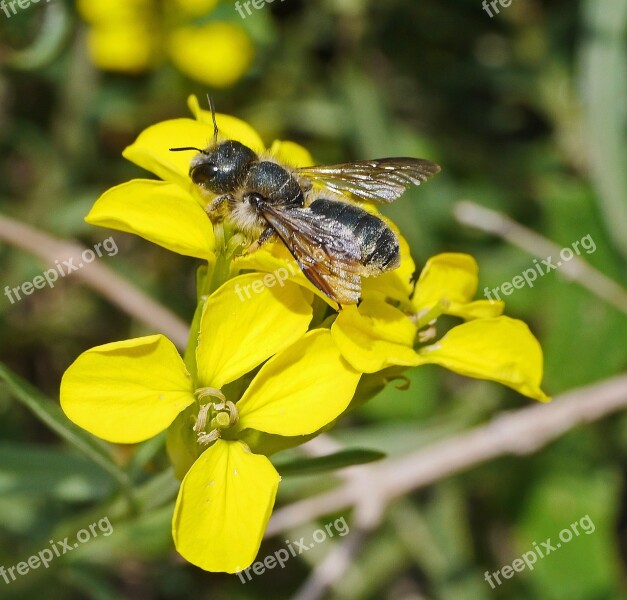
x,y
216,209
266,234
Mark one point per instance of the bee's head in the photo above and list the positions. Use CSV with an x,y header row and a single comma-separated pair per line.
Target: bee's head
x,y
221,167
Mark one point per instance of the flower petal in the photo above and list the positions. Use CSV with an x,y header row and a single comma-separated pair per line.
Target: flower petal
x,y
478,309
274,257
151,149
216,53
160,212
451,276
123,46
129,391
223,507
112,11
375,336
300,390
245,322
195,8
396,284
291,154
499,349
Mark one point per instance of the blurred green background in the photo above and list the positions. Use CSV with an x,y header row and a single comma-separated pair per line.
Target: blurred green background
x,y
524,111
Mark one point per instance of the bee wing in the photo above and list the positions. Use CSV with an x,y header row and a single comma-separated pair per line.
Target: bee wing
x,y
381,180
326,251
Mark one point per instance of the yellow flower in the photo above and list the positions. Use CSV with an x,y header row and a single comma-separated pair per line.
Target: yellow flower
x,y
171,212
216,54
195,8
487,346
127,392
130,36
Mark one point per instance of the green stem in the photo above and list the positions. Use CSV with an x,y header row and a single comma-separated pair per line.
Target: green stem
x,y
189,356
226,245
51,415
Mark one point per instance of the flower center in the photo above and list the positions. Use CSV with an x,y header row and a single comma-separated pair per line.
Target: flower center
x,y
425,320
213,415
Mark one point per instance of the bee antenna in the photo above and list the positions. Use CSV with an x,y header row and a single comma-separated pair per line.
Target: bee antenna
x,y
188,148
213,116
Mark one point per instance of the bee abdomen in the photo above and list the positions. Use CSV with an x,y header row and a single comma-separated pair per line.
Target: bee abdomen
x,y
379,245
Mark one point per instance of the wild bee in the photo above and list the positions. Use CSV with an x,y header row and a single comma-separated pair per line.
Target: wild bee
x,y
334,241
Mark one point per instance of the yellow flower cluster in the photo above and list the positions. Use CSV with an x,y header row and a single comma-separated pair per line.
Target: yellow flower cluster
x,y
222,421
133,36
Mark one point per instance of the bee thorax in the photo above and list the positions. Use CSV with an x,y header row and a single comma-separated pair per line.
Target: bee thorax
x,y
245,217
275,184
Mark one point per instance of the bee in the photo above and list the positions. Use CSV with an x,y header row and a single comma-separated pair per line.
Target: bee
x,y
314,211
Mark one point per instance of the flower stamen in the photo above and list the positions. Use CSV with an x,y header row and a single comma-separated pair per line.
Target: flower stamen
x,y
204,392
213,416
205,439
427,334
233,414
201,420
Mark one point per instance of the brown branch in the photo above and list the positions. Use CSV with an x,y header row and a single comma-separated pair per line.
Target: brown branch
x,y
520,432
576,269
97,276
332,568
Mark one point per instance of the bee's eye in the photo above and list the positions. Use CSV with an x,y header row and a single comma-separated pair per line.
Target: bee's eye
x,y
204,173
253,199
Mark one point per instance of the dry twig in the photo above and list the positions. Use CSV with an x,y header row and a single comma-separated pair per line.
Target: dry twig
x,y
576,269
97,276
518,433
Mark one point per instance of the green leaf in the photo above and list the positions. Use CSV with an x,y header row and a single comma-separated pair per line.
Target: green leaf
x,y
267,444
577,505
330,462
602,56
50,472
52,415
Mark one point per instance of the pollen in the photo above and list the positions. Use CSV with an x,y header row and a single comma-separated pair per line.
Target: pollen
x,y
213,416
